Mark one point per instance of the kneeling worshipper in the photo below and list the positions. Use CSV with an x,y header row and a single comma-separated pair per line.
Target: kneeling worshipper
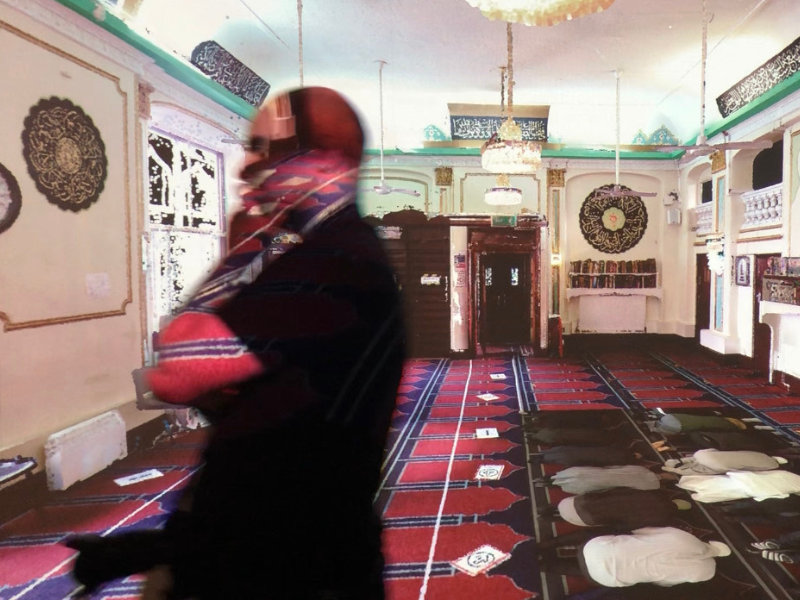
x,y
737,485
577,437
685,423
598,456
714,462
664,556
582,480
588,419
734,440
621,509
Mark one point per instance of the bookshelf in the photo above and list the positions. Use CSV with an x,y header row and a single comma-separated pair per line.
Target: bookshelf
x,y
612,294
610,274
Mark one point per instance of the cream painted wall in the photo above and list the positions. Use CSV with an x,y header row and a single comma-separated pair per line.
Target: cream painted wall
x,y
66,356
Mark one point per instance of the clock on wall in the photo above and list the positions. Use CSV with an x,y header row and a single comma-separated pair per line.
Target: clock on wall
x,y
10,199
612,224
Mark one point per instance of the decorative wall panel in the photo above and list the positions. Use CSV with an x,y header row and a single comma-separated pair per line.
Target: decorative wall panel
x,y
482,128
612,224
778,68
228,71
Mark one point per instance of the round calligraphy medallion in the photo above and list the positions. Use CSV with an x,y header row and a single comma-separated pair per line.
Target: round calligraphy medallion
x,y
612,224
65,153
10,199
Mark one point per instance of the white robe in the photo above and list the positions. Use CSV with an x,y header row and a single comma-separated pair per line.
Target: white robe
x,y
665,556
581,480
714,462
737,485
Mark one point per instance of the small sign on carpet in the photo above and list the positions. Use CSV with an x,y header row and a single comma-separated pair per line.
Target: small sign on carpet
x,y
488,397
497,376
143,476
489,472
488,432
480,560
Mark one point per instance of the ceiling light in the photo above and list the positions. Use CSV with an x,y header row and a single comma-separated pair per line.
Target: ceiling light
x,y
539,12
506,152
503,194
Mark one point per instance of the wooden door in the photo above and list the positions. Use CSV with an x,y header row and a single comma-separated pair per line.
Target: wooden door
x,y
702,314
506,298
762,334
427,290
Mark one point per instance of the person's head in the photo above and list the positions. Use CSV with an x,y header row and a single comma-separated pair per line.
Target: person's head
x,y
303,119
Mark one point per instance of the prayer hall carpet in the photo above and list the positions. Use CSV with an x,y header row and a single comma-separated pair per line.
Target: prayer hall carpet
x,y
446,491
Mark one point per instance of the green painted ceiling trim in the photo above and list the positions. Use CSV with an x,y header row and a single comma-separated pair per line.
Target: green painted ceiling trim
x,y
562,153
778,92
171,65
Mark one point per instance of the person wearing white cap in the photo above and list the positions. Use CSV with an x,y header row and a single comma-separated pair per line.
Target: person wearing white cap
x,y
714,462
664,556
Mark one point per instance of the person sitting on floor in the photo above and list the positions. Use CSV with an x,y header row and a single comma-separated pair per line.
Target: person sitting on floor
x,y
710,461
586,455
664,556
622,509
684,423
582,480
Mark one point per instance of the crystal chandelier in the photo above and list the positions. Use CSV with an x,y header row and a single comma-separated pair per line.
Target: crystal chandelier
x,y
539,12
503,194
505,152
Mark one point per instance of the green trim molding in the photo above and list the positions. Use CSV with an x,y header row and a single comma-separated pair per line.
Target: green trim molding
x,y
189,75
172,65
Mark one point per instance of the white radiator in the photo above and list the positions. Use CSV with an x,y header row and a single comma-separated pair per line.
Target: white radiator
x,y
84,449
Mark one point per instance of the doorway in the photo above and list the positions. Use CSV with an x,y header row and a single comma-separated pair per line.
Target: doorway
x,y
506,298
702,309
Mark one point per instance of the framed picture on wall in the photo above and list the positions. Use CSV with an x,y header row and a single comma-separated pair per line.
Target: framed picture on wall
x,y
742,272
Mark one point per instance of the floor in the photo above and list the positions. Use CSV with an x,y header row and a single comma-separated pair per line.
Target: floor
x,y
456,495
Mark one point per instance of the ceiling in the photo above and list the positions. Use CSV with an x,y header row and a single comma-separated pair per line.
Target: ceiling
x,y
446,51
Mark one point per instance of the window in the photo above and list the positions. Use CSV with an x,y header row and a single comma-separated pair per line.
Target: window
x,y
185,220
768,167
706,191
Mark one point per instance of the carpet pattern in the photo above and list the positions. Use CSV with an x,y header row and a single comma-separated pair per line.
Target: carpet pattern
x,y
35,565
434,509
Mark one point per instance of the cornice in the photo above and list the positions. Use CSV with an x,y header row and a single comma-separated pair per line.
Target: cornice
x,y
81,31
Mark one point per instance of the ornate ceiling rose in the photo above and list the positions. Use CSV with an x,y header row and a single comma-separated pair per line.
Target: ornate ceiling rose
x,y
541,13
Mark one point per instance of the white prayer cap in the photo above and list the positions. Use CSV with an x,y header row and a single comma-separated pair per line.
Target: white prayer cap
x,y
780,460
720,548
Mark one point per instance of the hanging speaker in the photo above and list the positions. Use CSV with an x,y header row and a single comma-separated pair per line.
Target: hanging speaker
x,y
674,216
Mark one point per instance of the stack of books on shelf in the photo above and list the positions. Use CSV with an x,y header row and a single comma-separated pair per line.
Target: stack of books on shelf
x,y
613,273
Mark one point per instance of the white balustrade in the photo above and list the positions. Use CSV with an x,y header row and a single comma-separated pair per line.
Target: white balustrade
x,y
763,208
705,218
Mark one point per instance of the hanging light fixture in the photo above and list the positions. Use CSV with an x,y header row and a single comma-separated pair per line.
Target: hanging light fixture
x,y
506,152
542,13
503,194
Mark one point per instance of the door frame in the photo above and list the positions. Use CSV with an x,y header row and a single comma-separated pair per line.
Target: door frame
x,y
701,270
491,241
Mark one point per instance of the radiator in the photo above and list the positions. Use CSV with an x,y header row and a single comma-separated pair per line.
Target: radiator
x,y
84,449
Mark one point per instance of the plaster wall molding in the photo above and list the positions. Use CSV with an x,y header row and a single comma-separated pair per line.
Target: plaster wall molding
x,y
70,24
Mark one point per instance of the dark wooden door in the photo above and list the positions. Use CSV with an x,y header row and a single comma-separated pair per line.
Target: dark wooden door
x,y
702,311
506,298
762,335
427,290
